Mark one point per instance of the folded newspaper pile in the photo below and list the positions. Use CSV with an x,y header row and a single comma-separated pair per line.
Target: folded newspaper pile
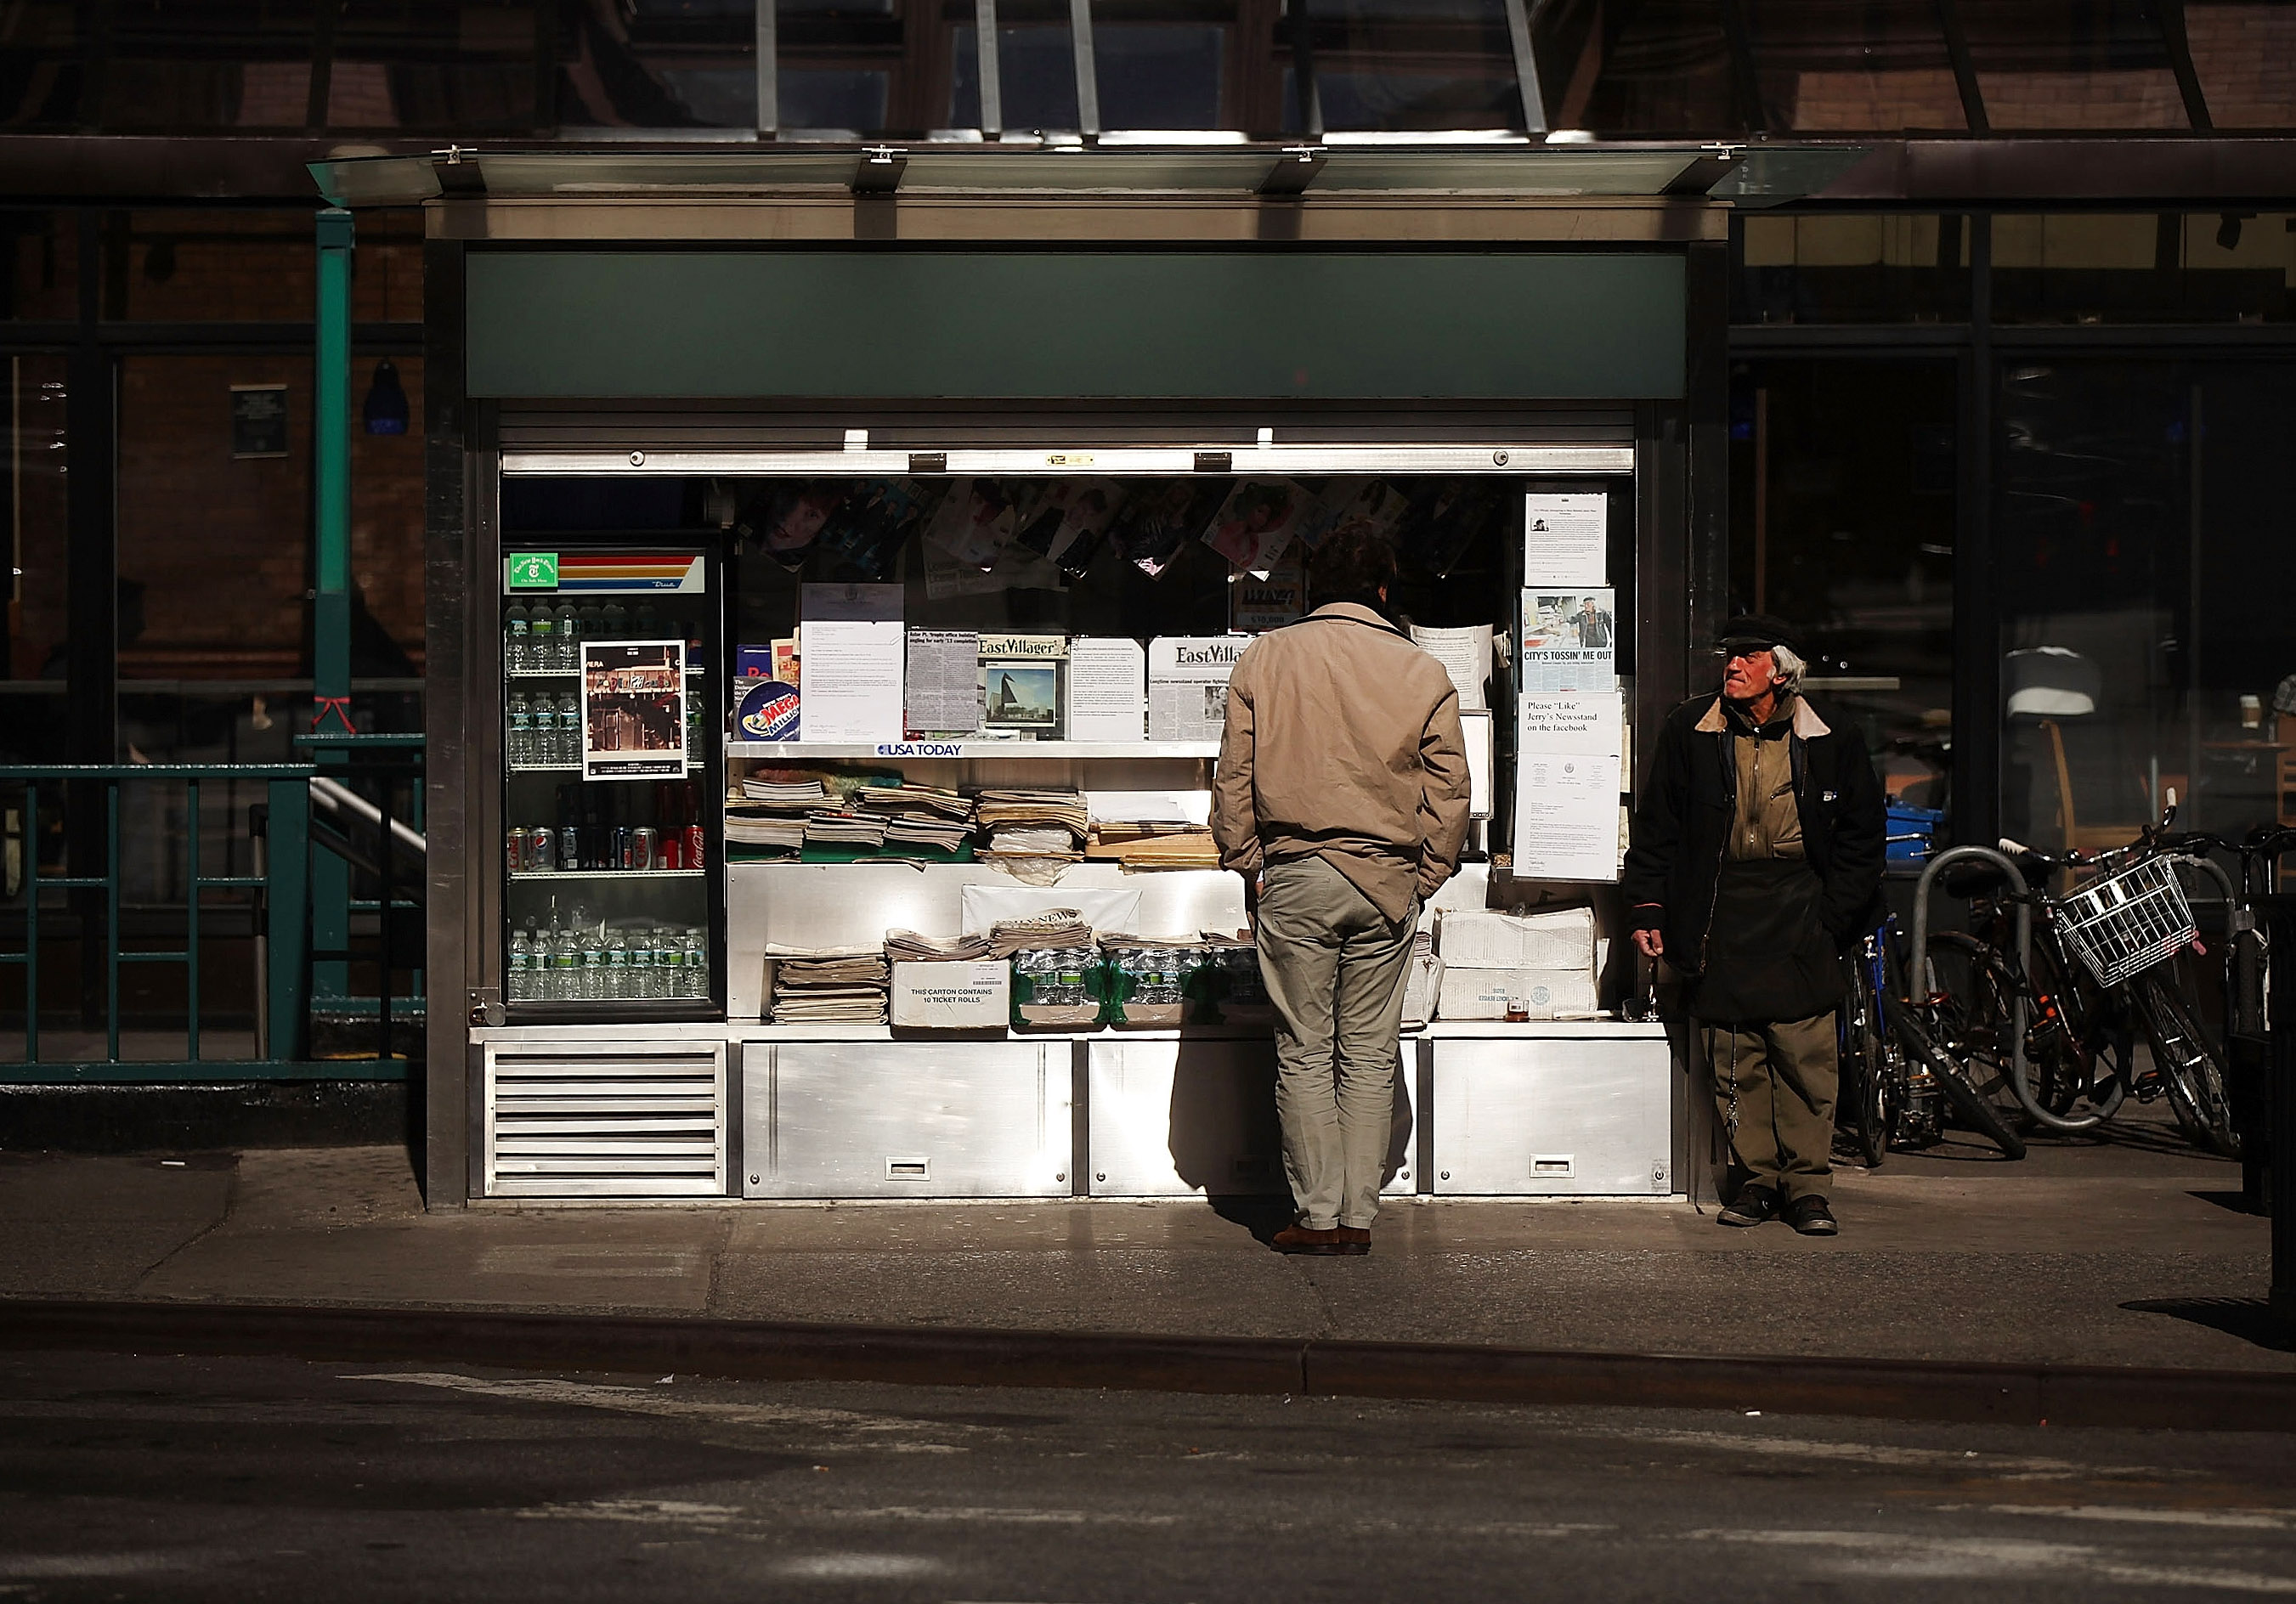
x,y
838,985
1053,928
1033,823
795,793
786,830
833,829
911,946
921,801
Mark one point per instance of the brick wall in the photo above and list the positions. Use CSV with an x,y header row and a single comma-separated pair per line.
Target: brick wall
x,y
2246,56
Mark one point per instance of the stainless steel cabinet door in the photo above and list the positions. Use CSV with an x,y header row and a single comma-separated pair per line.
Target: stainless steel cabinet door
x,y
1584,1117
911,1119
1172,1118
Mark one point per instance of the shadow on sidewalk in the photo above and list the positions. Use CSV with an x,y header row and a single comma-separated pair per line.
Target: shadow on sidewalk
x,y
2250,1318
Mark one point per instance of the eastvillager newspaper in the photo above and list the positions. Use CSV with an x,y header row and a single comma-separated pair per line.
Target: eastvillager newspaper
x,y
1187,685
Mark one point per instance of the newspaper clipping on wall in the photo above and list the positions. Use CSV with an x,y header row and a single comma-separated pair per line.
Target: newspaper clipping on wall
x,y
1570,641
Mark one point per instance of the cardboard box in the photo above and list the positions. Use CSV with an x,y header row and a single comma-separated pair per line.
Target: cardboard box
x,y
1420,991
953,996
1482,994
1558,938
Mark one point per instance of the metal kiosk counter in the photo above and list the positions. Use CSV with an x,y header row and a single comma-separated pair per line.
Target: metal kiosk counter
x,y
628,350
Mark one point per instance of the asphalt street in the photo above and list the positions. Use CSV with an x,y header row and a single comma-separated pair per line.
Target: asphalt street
x,y
180,1479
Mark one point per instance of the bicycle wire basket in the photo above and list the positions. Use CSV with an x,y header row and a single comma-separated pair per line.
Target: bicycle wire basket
x,y
2130,921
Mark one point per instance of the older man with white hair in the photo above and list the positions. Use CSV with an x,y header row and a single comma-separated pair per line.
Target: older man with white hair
x,y
1756,859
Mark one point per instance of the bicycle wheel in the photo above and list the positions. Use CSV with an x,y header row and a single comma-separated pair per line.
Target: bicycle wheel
x,y
1861,1116
2190,1065
1978,1036
1975,1112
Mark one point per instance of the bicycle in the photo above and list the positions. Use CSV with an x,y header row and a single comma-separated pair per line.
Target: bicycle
x,y
1892,1068
2099,977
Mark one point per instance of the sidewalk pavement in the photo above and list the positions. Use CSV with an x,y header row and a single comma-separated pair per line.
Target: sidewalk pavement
x,y
2132,1254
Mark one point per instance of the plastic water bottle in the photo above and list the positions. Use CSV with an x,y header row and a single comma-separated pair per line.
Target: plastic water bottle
x,y
565,966
594,964
515,639
520,981
697,965
518,739
569,729
618,966
542,642
638,980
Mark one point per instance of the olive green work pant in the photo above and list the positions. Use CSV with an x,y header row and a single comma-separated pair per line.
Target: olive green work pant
x,y
1336,969
1773,1092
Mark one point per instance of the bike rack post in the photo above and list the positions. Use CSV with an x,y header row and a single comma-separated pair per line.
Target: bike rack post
x,y
1928,974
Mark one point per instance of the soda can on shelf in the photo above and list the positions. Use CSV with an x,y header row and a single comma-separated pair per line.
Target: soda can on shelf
x,y
641,841
622,857
541,848
514,848
670,849
697,848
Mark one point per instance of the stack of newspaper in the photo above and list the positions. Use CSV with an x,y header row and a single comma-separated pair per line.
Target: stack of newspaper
x,y
841,986
1153,845
910,946
919,815
1053,928
793,793
1033,823
786,830
829,828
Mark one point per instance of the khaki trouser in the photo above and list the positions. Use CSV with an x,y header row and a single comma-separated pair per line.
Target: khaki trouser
x,y
1336,969
1773,1090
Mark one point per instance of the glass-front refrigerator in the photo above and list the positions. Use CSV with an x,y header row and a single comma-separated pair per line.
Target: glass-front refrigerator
x,y
611,784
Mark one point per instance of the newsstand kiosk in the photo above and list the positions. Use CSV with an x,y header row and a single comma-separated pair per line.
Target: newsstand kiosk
x,y
815,556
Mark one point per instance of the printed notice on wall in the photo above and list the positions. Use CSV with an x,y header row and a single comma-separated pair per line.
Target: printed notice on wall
x,y
1565,538
851,670
1570,641
943,695
1566,815
1465,655
1108,689
1572,723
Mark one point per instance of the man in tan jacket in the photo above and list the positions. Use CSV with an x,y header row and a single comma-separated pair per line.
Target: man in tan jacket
x,y
1341,790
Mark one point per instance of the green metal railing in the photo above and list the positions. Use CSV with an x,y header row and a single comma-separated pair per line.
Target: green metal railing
x,y
279,843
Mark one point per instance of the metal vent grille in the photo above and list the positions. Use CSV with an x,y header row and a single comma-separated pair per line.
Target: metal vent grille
x,y
603,1120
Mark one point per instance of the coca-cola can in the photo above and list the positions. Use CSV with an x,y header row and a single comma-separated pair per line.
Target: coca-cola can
x,y
697,850
641,841
515,849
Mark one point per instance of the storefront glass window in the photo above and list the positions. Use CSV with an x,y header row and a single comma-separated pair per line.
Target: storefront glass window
x,y
32,713
39,264
660,64
1841,520
2244,54
1167,64
2143,267
1823,67
1415,64
2071,64
1662,67
2146,549
42,80
1036,69
1850,268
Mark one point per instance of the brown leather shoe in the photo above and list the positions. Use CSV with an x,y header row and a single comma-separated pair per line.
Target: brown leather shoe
x,y
1330,1244
1357,1236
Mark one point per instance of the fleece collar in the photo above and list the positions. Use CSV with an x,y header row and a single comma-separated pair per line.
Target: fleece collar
x,y
1807,724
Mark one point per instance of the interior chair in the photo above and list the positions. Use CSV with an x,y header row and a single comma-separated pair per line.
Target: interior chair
x,y
2078,837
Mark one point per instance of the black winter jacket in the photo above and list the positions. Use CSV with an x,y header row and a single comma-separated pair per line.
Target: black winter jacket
x,y
1682,826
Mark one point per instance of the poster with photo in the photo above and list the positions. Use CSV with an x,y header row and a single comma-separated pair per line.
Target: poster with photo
x,y
1162,516
1570,641
784,519
864,537
633,710
1021,679
1253,526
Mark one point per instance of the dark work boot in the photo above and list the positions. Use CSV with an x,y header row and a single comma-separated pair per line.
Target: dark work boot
x,y
1751,1207
1811,1217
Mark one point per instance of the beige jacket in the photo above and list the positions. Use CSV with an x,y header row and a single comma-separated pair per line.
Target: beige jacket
x,y
1344,742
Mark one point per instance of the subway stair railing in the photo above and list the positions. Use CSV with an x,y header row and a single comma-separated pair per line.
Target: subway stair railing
x,y
157,920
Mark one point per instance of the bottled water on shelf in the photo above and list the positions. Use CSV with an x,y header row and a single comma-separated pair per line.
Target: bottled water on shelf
x,y
569,639
618,966
639,977
569,729
594,964
697,965
520,981
518,738
515,627
542,642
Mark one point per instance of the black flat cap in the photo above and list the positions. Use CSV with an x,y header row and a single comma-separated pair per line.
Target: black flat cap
x,y
1757,630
